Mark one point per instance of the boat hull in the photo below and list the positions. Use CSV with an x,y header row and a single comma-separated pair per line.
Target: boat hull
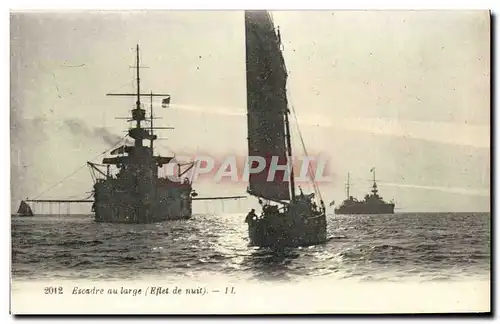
x,y
365,209
24,215
288,229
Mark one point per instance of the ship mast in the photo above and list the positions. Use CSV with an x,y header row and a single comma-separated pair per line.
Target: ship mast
x,y
138,102
138,114
347,187
374,190
151,128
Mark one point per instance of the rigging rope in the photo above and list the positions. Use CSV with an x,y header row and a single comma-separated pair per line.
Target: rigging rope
x,y
131,82
78,169
289,95
309,169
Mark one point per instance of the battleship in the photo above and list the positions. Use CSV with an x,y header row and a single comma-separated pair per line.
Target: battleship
x,y
286,219
127,186
372,204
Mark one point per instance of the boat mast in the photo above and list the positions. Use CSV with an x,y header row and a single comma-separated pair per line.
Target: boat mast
x,y
287,125
289,152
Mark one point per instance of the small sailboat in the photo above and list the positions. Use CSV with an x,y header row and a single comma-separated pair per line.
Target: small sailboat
x,y
24,210
287,219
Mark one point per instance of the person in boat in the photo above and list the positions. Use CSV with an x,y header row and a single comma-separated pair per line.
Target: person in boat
x,y
250,216
270,210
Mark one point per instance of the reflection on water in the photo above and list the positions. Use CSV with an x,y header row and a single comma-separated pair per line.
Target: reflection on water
x,y
382,247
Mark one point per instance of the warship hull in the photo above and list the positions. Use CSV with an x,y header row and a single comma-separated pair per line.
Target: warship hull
x,y
115,206
365,209
287,229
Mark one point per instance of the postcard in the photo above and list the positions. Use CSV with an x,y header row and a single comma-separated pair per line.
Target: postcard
x,y
250,162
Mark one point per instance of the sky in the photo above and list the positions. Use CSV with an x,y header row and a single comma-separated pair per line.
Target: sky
x,y
405,91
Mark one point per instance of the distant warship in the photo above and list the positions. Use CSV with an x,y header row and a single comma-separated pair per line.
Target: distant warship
x,y
373,203
133,192
294,220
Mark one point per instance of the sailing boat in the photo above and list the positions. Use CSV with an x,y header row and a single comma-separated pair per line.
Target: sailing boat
x,y
296,220
24,210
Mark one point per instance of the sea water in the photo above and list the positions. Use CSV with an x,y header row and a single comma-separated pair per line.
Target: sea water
x,y
406,262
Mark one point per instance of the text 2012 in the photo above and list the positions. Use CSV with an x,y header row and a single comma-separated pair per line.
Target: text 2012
x,y
53,290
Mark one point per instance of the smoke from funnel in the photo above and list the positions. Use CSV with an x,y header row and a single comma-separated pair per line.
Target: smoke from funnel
x,y
79,128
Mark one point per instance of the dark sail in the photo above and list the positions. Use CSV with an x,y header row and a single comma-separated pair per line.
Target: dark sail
x,y
266,104
24,209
